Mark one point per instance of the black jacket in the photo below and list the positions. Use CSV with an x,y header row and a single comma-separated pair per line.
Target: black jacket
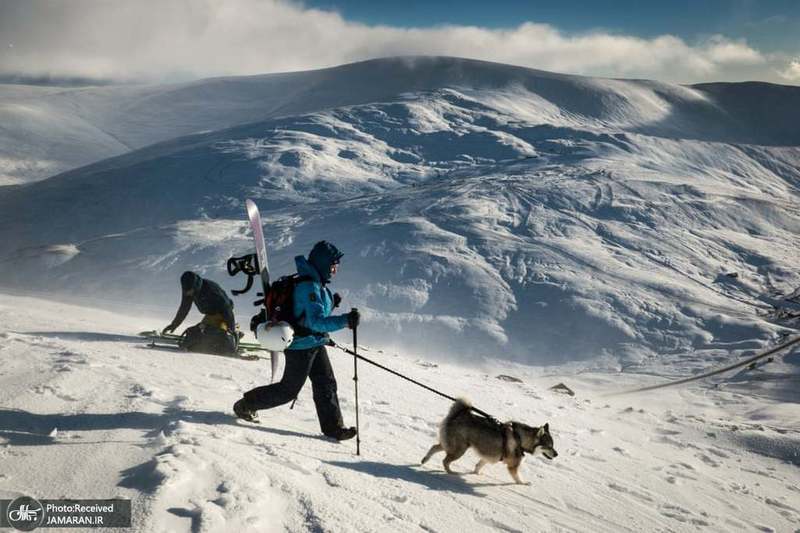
x,y
210,299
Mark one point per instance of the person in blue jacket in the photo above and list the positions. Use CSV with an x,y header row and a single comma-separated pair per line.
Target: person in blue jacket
x,y
307,357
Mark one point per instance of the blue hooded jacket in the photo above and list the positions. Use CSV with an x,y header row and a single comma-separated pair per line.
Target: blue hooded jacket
x,y
313,304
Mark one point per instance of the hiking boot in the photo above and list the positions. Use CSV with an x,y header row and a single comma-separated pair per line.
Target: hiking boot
x,y
242,411
342,433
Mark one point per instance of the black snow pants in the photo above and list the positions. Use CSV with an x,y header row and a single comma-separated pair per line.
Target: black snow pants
x,y
301,364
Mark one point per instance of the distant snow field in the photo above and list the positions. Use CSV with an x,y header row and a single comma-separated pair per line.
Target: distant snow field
x,y
495,220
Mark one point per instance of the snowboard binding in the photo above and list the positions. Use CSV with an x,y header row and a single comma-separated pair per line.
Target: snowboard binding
x,y
247,264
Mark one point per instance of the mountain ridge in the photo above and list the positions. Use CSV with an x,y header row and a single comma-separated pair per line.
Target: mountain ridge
x,y
550,225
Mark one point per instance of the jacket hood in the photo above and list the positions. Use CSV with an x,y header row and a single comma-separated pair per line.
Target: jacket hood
x,y
304,268
322,256
191,282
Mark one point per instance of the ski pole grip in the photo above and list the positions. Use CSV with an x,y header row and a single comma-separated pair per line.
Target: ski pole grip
x,y
355,329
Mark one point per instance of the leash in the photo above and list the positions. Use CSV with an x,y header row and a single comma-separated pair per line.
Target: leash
x,y
710,373
398,374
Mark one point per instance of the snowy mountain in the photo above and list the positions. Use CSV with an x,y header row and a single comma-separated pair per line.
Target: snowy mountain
x,y
485,210
53,129
505,230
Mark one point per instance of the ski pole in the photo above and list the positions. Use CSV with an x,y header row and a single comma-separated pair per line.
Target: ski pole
x,y
355,380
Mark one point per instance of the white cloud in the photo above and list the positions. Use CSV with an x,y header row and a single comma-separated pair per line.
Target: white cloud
x,y
156,39
723,51
792,71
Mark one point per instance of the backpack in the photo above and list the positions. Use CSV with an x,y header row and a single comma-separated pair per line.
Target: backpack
x,y
279,303
203,338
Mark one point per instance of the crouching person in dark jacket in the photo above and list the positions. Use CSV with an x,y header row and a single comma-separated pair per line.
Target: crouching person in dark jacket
x,y
216,333
307,357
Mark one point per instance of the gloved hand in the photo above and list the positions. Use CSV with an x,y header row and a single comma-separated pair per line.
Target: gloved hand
x,y
168,329
337,299
353,318
260,318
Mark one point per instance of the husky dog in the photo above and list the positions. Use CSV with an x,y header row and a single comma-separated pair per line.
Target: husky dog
x,y
493,441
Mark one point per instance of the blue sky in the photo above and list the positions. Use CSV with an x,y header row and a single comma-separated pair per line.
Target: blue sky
x,y
677,41
771,25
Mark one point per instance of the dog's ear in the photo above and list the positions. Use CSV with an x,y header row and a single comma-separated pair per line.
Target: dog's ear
x,y
547,427
541,431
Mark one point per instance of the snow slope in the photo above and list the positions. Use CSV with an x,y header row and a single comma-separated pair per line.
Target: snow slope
x,y
89,411
484,210
50,130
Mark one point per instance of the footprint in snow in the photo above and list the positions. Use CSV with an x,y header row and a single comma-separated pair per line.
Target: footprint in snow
x,y
681,475
780,505
631,492
707,460
70,361
593,458
220,377
330,478
139,391
666,439
718,453
676,512
632,410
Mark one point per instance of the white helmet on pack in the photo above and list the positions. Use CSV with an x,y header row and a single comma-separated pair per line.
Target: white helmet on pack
x,y
275,337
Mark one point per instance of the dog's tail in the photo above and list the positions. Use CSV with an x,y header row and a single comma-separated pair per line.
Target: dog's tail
x,y
460,406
